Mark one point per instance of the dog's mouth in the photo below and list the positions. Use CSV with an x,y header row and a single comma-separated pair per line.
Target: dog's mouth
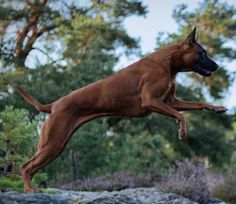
x,y
202,71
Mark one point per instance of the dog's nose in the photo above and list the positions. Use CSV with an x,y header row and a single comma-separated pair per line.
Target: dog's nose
x,y
214,66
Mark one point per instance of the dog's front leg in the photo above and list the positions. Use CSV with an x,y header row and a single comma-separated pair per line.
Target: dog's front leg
x,y
187,105
156,105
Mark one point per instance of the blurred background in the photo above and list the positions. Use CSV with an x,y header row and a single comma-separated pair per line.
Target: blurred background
x,y
53,47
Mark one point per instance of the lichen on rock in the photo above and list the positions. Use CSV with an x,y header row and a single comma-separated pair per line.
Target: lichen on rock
x,y
126,196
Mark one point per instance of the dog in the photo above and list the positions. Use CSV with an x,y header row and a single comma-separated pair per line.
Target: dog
x,y
143,87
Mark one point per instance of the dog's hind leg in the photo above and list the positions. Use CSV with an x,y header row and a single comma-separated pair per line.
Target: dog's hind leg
x,y
55,133
39,160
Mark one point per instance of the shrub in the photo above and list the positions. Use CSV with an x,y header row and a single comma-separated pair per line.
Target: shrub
x,y
189,179
17,138
8,183
109,182
225,187
14,182
40,179
17,144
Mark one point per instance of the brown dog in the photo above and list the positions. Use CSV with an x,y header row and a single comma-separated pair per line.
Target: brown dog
x,y
142,88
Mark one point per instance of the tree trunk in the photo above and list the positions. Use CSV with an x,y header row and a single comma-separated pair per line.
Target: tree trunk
x,y
7,158
74,169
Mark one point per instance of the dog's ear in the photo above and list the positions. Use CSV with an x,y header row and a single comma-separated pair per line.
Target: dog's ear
x,y
192,37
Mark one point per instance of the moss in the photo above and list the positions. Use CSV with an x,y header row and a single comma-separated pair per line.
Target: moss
x,y
14,182
8,183
50,191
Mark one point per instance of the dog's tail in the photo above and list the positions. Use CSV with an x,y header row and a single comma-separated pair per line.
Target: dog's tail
x,y
40,107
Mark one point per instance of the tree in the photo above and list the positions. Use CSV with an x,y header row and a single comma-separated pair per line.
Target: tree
x,y
30,19
24,23
18,137
18,143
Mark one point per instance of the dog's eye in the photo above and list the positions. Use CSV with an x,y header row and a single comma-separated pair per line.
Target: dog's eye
x,y
203,54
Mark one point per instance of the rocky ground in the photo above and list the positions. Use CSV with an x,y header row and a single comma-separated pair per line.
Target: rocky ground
x,y
127,196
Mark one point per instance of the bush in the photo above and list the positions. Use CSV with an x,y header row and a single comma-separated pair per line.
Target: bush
x,y
189,179
109,182
17,138
225,187
40,179
10,183
17,145
13,182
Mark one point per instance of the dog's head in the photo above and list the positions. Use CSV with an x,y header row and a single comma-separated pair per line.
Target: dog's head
x,y
194,57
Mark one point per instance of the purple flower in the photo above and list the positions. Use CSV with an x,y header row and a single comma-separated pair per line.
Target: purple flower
x,y
188,179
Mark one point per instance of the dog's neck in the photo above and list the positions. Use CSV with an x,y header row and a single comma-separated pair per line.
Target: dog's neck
x,y
170,57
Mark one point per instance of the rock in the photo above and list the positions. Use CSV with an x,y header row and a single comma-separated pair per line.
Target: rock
x,y
127,196
31,198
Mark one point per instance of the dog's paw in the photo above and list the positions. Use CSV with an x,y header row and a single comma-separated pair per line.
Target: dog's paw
x,y
219,109
32,190
182,134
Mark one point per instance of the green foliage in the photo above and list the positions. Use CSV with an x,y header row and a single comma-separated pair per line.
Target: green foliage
x,y
51,22
136,146
18,138
17,135
8,183
40,179
14,182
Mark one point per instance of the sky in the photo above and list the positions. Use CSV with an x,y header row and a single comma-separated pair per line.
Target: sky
x,y
159,18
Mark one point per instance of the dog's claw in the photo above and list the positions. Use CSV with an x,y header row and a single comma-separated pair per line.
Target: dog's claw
x,y
32,190
182,134
220,109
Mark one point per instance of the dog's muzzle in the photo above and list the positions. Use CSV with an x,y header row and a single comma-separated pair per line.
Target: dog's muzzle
x,y
205,69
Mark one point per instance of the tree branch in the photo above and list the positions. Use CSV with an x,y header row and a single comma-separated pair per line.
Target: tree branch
x,y
22,51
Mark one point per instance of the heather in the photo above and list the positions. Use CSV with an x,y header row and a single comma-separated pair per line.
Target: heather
x,y
188,179
109,182
192,179
223,186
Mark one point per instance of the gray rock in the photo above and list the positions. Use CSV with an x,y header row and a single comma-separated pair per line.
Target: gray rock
x,y
32,198
151,196
127,196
